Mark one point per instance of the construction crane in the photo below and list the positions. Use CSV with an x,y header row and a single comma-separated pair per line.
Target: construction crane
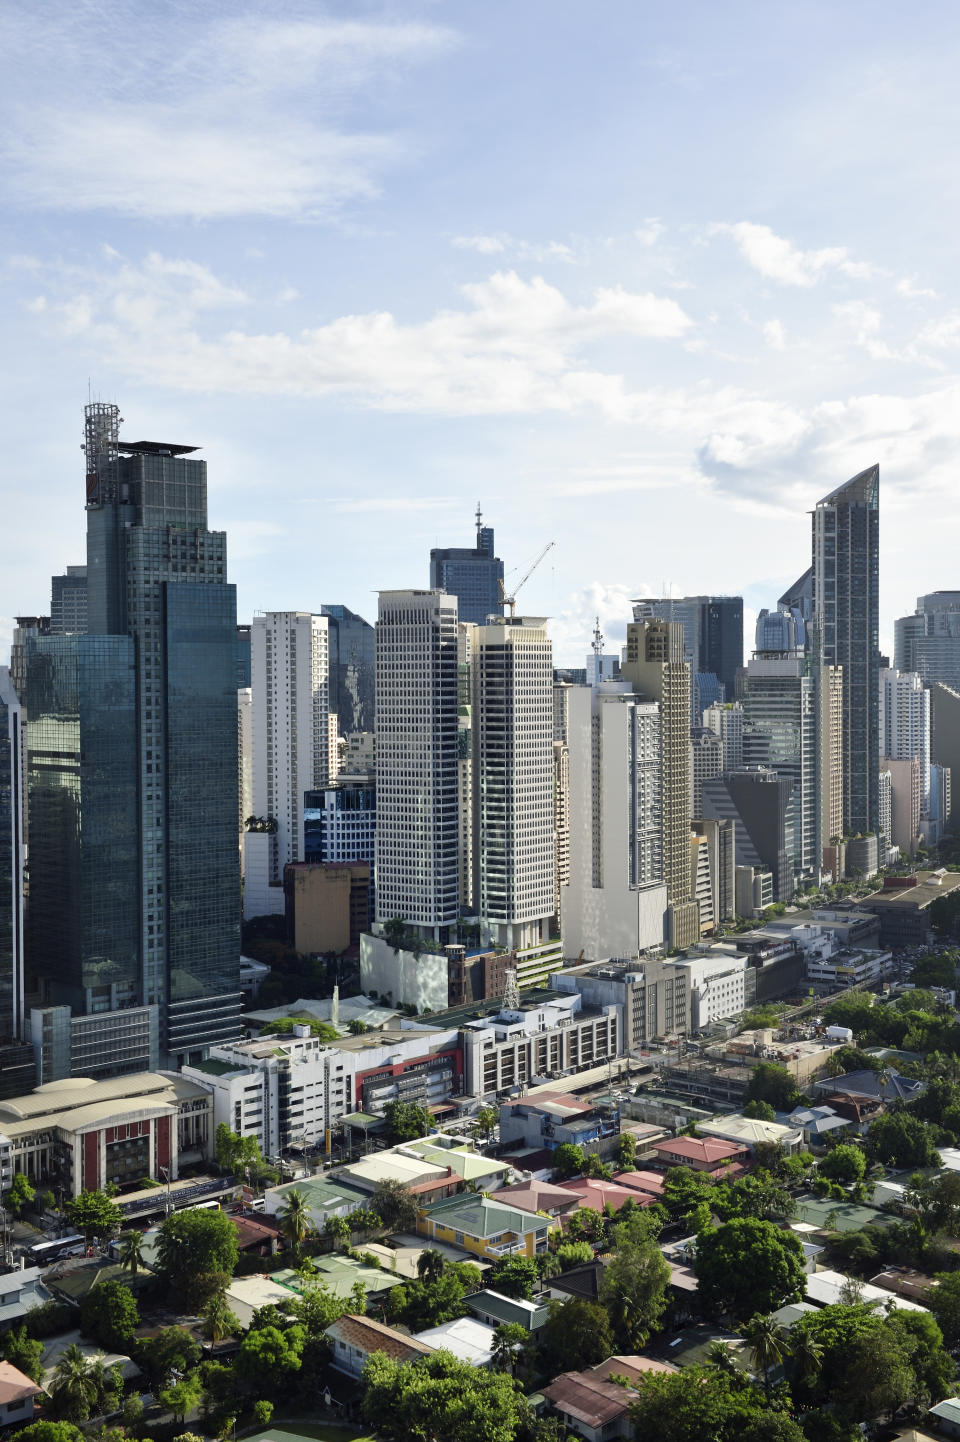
x,y
511,600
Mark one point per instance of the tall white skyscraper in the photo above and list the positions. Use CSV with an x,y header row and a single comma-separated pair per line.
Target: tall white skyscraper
x,y
514,781
417,750
294,744
726,721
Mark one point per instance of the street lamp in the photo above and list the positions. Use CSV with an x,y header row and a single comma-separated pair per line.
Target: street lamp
x,y
168,1202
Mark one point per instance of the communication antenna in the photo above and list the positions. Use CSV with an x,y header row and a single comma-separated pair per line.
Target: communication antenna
x,y
597,644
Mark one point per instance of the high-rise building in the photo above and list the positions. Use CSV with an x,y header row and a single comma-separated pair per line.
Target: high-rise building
x,y
294,745
353,669
466,648
760,802
513,781
68,602
706,760
780,732
656,670
945,740
134,875
726,721
829,692
846,597
614,901
905,723
928,642
417,753
905,803
720,838
474,576
11,862
712,632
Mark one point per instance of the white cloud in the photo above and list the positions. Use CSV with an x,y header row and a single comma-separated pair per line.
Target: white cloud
x,y
779,259
650,232
907,286
485,244
513,348
250,118
503,244
942,333
773,334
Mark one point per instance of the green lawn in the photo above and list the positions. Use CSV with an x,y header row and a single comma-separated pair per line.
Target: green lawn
x,y
295,1431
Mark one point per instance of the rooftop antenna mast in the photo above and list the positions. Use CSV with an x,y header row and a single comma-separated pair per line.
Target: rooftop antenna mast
x,y
479,519
597,643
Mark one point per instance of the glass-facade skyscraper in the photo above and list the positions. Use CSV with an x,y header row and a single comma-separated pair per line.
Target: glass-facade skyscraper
x,y
846,601
353,669
133,757
475,576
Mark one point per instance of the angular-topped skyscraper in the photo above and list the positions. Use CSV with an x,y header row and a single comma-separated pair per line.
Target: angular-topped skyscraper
x,y
132,741
475,576
846,602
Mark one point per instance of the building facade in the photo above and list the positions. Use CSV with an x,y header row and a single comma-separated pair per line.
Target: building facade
x,y
68,602
760,803
11,865
353,669
846,597
473,576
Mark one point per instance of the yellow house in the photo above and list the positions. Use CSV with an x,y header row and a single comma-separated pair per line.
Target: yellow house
x,y
485,1227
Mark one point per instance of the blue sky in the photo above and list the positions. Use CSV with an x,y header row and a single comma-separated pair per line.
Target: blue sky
x,y
646,280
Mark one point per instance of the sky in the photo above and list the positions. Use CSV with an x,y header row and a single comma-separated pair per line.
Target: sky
x,y
644,280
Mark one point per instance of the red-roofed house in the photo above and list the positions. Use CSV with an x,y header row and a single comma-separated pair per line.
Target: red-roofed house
x,y
590,1406
534,1196
17,1392
596,1194
651,1182
356,1338
703,1154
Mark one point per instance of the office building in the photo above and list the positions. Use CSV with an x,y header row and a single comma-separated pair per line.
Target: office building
x,y
905,724
417,754
15,1061
780,733
340,822
720,838
327,905
294,745
726,721
712,632
829,699
928,642
474,577
701,881
846,595
132,743
706,760
241,654
656,670
760,802
906,802
885,813
780,632
353,669
466,649
653,995
797,601
68,602
513,781
614,901
945,739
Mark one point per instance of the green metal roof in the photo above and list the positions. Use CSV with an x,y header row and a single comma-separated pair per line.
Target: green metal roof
x,y
484,1217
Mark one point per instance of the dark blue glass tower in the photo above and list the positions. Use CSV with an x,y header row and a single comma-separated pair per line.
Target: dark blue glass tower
x,y
475,576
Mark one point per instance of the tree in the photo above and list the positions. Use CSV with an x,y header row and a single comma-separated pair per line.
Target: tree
x,y
268,1356
218,1320
131,1414
430,1264
634,1288
25,1353
594,1167
395,931
936,969
760,1111
508,1339
263,1411
130,1251
567,1161
573,1254
338,1229
576,1334
94,1214
944,1302
902,1140
50,1432
696,1403
295,1220
182,1396
625,1152
197,1253
74,1387
109,1315
515,1277
768,1345
844,1163
406,1121
20,1195
440,1396
487,1118
421,1304
748,1266
774,1084
171,1350
397,1206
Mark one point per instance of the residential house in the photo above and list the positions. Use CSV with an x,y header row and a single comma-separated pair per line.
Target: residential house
x,y
716,1156
486,1227
557,1117
946,1416
641,1181
536,1196
469,1340
826,1288
592,1407
750,1132
596,1195
817,1124
496,1310
355,1338
17,1392
886,1086
325,1197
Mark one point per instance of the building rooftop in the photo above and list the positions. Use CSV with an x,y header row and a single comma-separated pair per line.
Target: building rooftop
x,y
595,1195
490,1303
465,1337
633,1367
748,1130
370,1336
59,1097
827,1288
481,1216
711,1151
534,1196
589,1400
16,1386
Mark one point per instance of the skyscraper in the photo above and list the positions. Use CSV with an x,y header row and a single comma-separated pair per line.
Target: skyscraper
x,y
353,669
928,642
417,753
846,596
780,732
294,745
513,781
68,602
712,635
11,861
474,576
133,752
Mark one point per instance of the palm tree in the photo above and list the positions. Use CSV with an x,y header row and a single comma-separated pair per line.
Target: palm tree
x,y
130,1251
218,1320
768,1344
295,1220
430,1265
74,1384
721,1357
507,1339
806,1359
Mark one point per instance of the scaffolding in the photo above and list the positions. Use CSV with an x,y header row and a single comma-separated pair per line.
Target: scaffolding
x,y
101,430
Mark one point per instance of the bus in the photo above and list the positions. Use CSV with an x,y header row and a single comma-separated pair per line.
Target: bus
x,y
43,1253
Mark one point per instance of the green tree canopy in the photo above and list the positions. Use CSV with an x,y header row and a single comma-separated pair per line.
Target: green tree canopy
x,y
567,1160
902,1140
426,1303
577,1334
406,1122
774,1084
109,1315
944,1303
268,1356
20,1195
515,1277
395,1205
196,1250
94,1214
844,1163
182,1396
24,1352
695,1404
440,1396
748,1266
50,1432
634,1285
761,1111
171,1349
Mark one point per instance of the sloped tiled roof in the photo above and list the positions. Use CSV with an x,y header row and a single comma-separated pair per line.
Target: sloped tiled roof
x,y
370,1336
16,1386
589,1399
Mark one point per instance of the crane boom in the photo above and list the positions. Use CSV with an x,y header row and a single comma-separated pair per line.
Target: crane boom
x,y
511,600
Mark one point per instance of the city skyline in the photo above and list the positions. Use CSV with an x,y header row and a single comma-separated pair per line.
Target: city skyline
x,y
438,258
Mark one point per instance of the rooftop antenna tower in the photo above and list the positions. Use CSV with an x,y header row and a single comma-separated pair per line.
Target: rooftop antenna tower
x,y
511,994
479,520
101,432
597,643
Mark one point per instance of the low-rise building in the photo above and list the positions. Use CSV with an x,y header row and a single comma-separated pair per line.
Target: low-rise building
x,y
590,1406
80,1134
497,1310
826,1288
485,1227
596,1195
324,1198
17,1393
750,1132
713,1155
553,1118
354,1340
469,1340
850,968
903,906
523,1045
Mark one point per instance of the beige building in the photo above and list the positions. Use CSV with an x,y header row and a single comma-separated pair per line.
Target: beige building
x,y
327,906
656,669
906,802
830,702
